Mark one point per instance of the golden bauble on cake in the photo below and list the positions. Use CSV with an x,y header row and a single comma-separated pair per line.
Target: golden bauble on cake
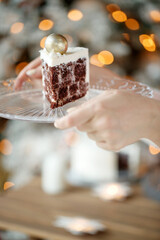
x,y
56,42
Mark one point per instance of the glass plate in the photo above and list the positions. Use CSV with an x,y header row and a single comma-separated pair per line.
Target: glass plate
x,y
29,105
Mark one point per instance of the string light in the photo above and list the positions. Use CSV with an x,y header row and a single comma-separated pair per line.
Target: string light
x,y
16,27
153,150
75,15
126,36
152,36
132,24
94,60
155,15
42,42
6,147
46,25
8,185
106,57
20,66
119,16
112,7
147,42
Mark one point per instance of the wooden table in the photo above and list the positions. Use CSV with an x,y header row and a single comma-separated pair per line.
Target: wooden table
x,y
31,211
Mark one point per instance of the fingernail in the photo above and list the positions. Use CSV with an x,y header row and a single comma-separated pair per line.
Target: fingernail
x,y
60,123
56,124
31,72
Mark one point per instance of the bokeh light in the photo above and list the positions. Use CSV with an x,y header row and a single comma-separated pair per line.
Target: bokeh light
x,y
42,42
119,16
112,7
20,66
46,25
126,36
8,185
132,24
106,57
6,147
155,15
94,60
147,42
75,15
153,150
152,36
16,27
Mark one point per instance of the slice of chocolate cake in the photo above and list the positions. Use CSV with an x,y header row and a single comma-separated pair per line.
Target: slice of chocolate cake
x,y
65,76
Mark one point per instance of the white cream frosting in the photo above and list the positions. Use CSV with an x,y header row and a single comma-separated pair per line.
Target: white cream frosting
x,y
73,54
52,58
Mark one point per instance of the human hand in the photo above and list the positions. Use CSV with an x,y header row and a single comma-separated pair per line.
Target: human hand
x,y
115,119
32,71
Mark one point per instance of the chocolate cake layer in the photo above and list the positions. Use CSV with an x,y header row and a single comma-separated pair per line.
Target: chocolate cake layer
x,y
65,83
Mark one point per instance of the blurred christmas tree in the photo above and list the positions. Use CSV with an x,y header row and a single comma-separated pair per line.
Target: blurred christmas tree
x,y
128,30
137,24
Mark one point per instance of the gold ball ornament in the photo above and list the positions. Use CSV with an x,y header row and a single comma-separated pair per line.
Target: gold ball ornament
x,y
56,42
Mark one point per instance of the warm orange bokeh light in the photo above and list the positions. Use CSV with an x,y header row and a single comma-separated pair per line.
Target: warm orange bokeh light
x,y
112,7
75,15
42,42
132,24
155,15
8,185
94,60
20,66
147,42
152,36
46,25
153,150
119,16
142,37
16,27
106,57
6,147
126,36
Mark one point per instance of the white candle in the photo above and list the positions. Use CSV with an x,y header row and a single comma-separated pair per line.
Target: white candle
x,y
53,173
91,164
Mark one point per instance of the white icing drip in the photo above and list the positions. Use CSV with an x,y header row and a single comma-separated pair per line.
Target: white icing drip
x,y
72,54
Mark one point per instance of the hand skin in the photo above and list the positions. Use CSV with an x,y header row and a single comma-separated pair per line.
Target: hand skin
x,y
116,119
22,77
